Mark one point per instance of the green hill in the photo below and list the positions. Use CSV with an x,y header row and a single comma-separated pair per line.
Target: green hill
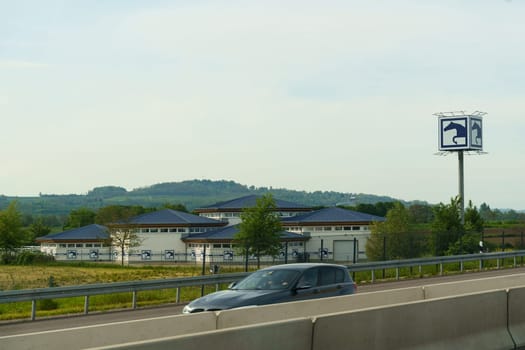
x,y
191,193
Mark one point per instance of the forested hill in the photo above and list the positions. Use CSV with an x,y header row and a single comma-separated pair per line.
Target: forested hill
x,y
191,193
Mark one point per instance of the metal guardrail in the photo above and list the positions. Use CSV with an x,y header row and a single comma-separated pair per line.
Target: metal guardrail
x,y
86,291
439,260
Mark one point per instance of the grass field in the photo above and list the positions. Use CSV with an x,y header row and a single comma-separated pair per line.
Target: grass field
x,y
41,276
30,277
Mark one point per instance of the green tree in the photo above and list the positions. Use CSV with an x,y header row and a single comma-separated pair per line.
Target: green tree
x,y
260,230
122,235
446,226
38,229
79,218
178,207
394,238
123,238
11,232
468,243
422,213
474,223
116,213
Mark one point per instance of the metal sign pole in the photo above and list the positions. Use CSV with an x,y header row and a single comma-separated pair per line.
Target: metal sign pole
x,y
461,187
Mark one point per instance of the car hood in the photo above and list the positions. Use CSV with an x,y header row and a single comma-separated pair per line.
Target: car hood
x,y
232,298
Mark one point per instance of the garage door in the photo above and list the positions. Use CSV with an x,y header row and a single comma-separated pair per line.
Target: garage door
x,y
344,250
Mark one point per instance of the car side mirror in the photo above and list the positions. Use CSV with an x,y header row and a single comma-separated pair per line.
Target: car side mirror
x,y
303,286
231,285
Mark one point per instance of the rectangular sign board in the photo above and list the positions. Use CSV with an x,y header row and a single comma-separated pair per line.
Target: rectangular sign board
x,y
460,133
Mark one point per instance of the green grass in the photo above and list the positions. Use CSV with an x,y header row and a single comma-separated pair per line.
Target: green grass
x,y
29,277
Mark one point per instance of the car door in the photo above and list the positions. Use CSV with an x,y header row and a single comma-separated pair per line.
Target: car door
x,y
332,281
308,285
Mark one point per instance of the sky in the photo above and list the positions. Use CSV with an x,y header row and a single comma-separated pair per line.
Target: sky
x,y
305,95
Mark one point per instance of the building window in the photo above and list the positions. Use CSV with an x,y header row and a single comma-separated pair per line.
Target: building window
x,y
62,245
356,228
79,245
145,230
71,245
154,230
173,230
181,230
328,228
163,230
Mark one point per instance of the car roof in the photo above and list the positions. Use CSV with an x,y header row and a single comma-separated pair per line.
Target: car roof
x,y
300,266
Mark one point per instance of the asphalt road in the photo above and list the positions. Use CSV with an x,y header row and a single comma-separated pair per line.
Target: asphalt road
x,y
49,324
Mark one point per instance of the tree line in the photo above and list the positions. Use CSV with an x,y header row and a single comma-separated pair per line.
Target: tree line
x,y
409,231
403,236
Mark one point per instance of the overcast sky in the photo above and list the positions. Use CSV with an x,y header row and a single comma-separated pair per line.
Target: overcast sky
x,y
304,95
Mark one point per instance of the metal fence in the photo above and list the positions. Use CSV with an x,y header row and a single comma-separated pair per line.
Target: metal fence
x,y
86,291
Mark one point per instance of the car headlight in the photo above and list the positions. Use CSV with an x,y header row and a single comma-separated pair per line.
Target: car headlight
x,y
187,309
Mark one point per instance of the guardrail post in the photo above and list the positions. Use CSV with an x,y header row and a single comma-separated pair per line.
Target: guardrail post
x,y
441,269
86,304
461,266
497,264
177,295
373,275
33,310
397,273
134,301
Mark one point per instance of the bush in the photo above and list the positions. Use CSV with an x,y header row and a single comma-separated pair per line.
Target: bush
x,y
8,258
47,304
29,258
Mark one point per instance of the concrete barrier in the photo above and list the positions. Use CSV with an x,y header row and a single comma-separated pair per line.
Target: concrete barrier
x,y
112,333
475,321
516,297
307,308
473,286
286,335
471,313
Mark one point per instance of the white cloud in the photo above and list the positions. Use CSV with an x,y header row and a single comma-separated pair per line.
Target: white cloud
x,y
336,95
17,64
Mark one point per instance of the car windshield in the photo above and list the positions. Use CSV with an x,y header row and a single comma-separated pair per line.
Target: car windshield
x,y
268,279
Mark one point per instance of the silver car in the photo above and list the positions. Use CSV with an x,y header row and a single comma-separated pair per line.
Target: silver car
x,y
278,284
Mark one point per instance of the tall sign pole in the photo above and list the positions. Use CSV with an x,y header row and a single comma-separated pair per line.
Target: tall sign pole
x,y
461,181
460,132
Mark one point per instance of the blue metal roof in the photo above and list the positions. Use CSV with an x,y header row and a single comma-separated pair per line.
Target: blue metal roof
x,y
332,215
249,202
89,232
228,233
172,217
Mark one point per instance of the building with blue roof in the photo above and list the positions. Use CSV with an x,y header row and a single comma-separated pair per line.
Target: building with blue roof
x,y
160,233
84,243
230,211
334,233
220,244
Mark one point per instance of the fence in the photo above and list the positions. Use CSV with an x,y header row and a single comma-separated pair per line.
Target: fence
x,y
33,295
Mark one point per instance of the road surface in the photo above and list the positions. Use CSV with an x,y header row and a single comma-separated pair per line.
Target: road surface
x,y
54,323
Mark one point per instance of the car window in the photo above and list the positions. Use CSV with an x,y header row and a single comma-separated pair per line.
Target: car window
x,y
268,279
331,275
309,278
